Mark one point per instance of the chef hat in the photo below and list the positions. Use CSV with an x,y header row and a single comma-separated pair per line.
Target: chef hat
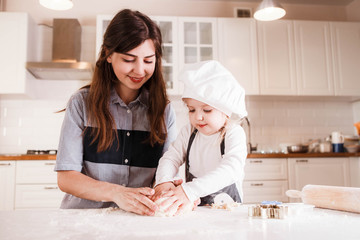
x,y
209,82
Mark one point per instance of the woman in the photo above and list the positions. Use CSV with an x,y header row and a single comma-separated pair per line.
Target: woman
x,y
116,129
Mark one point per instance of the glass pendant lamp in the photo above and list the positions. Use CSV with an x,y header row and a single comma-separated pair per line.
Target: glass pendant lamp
x,y
269,10
57,4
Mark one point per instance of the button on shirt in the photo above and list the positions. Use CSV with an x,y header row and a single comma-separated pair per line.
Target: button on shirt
x,y
130,162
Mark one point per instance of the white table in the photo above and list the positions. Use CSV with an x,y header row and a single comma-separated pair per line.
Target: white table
x,y
204,223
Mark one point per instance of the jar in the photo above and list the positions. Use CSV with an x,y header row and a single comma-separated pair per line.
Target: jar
x,y
325,147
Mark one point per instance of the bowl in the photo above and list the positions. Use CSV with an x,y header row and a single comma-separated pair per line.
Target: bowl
x,y
352,148
298,148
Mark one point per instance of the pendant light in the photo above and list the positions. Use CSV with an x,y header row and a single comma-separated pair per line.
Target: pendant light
x,y
269,10
57,4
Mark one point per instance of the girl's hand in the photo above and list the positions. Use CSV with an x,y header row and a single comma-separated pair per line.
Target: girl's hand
x,y
161,189
178,200
136,200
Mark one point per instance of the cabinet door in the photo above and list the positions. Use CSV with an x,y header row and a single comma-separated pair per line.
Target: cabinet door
x,y
17,46
346,52
318,171
258,191
33,172
354,172
7,185
38,196
266,169
169,33
197,39
238,51
102,22
276,58
313,58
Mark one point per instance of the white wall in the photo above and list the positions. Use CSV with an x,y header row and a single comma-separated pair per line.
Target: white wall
x,y
86,10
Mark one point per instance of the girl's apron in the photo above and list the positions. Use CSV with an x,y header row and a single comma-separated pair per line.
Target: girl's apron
x,y
231,190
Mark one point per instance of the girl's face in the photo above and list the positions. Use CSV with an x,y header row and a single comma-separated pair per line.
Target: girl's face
x,y
204,118
135,67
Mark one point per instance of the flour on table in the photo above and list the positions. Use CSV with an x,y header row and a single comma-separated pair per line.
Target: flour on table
x,y
224,201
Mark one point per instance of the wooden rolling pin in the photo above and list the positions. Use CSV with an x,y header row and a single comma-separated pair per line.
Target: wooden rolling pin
x,y
331,197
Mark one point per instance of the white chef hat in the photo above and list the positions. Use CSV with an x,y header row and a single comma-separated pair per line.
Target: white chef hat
x,y
211,83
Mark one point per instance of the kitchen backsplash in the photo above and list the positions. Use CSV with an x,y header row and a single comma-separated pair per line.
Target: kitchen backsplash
x,y
33,123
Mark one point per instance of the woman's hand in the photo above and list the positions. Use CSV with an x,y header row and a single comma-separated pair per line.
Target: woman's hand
x,y
136,200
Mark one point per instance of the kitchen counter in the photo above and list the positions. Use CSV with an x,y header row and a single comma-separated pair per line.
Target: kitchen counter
x,y
204,223
302,155
9,157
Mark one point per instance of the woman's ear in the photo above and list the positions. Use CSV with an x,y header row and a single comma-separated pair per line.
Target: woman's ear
x,y
108,59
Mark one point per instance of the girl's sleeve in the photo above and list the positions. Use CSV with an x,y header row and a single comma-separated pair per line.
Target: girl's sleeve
x,y
173,158
229,171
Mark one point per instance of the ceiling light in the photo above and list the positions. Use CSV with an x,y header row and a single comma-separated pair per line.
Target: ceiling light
x,y
269,10
57,4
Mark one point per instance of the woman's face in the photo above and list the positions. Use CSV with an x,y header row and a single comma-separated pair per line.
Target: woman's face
x,y
205,118
135,67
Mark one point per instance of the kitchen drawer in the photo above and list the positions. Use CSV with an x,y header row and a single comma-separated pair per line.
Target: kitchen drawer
x,y
266,169
258,191
38,196
7,185
35,172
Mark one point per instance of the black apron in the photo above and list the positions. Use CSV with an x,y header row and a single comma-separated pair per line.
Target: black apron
x,y
231,190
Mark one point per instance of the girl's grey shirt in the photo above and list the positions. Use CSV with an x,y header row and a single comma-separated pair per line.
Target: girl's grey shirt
x,y
131,162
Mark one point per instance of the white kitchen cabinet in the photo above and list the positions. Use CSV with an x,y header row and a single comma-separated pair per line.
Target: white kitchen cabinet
x,y
265,180
354,172
7,185
238,51
17,46
197,39
318,171
170,62
36,185
314,66
277,71
346,52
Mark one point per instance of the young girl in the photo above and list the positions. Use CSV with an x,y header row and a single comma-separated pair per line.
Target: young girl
x,y
116,129
212,147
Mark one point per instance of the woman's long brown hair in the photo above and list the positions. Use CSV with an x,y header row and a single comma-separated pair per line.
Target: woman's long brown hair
x,y
127,30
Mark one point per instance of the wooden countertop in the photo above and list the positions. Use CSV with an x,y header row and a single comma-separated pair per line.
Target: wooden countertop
x,y
302,155
11,157
7,157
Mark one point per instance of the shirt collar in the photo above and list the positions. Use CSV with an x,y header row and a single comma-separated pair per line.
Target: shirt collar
x,y
143,98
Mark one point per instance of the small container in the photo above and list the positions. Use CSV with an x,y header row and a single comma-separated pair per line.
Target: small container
x,y
325,147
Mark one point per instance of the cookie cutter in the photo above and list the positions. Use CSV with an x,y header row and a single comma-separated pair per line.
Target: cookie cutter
x,y
269,209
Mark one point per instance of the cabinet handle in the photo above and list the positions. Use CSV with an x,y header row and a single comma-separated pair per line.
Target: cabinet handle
x,y
256,161
256,184
302,161
5,164
50,188
52,164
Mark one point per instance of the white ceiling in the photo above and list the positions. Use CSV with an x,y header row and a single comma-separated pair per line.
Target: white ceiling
x,y
315,2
